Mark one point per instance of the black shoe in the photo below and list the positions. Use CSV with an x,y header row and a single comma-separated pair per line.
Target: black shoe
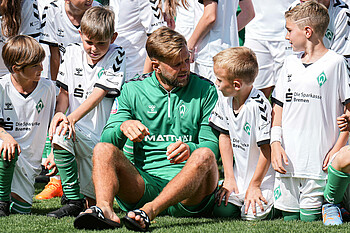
x,y
64,199
4,208
42,177
72,208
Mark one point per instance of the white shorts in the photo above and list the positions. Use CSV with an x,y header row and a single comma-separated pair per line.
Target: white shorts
x,y
24,179
82,149
204,71
270,56
238,200
292,194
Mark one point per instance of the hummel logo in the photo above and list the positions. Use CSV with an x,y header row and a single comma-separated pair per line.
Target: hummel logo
x,y
8,106
60,32
289,77
152,107
78,71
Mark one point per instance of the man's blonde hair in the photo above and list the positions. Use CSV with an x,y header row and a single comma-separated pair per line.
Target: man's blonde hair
x,y
240,62
165,44
98,23
21,51
312,14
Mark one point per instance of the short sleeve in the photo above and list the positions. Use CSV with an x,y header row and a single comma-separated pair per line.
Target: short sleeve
x,y
48,35
150,15
218,119
263,120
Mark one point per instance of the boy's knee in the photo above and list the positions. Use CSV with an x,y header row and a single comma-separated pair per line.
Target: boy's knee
x,y
342,160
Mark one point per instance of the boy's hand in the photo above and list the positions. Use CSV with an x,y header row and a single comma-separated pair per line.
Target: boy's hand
x,y
343,122
225,191
50,164
178,152
254,196
9,147
134,130
277,155
56,121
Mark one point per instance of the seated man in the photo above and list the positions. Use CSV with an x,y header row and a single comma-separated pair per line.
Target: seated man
x,y
173,169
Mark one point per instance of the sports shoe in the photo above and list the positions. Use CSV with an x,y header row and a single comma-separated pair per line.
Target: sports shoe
x,y
73,208
4,208
331,215
42,177
51,190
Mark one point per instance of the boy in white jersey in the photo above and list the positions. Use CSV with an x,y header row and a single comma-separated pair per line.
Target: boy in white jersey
x,y
27,106
309,95
60,26
242,116
91,73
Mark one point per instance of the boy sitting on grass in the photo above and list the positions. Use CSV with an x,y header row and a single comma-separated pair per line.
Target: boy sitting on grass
x,y
90,77
242,116
27,106
310,94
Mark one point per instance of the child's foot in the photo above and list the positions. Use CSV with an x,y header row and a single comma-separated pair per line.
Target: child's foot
x,y
72,208
331,215
52,189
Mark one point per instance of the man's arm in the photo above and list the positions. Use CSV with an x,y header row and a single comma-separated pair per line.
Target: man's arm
x,y
204,25
253,194
246,15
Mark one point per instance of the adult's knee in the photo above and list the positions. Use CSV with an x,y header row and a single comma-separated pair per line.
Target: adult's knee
x,y
342,160
203,158
105,152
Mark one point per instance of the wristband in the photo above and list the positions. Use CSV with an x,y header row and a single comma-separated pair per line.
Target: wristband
x,y
276,134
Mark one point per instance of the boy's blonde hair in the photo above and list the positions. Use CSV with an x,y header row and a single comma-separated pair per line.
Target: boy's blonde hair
x,y
98,23
240,62
22,51
310,13
165,44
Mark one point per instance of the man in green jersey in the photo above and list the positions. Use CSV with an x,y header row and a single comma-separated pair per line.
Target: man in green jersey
x,y
166,114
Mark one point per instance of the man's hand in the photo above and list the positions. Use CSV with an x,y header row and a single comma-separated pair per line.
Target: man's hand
x,y
56,121
134,130
225,190
178,152
254,196
8,148
343,122
277,155
50,164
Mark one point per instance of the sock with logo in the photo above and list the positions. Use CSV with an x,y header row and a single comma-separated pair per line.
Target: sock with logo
x,y
19,207
309,215
336,185
67,166
7,169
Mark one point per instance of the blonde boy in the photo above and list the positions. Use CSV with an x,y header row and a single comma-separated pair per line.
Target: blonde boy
x,y
27,106
309,95
89,78
242,116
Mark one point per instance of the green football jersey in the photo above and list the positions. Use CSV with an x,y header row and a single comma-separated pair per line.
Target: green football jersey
x,y
181,114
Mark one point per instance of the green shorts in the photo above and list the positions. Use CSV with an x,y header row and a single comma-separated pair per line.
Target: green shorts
x,y
154,185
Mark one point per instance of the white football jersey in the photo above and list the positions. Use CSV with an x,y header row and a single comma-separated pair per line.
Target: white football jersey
x,y
248,130
27,119
30,25
338,32
135,19
312,98
185,20
223,35
57,29
269,22
78,78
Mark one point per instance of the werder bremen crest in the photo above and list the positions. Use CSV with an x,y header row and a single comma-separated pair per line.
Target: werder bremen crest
x,y
247,128
99,74
40,106
329,35
321,79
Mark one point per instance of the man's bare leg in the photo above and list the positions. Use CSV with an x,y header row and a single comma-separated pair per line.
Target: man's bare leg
x,y
197,179
112,175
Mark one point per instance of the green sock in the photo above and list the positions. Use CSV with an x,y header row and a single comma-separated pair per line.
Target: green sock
x,y
223,211
289,216
67,166
18,207
336,185
274,213
309,215
6,174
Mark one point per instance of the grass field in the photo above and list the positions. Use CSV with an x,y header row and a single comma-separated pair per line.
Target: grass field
x,y
38,222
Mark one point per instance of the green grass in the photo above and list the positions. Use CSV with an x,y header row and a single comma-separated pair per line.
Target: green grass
x,y
38,222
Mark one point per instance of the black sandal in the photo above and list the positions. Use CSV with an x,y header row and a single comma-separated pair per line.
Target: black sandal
x,y
131,224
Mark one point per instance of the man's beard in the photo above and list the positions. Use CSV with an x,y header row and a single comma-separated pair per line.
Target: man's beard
x,y
174,82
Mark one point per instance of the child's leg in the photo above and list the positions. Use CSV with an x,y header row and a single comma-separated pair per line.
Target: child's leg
x,y
223,211
311,199
6,175
19,206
